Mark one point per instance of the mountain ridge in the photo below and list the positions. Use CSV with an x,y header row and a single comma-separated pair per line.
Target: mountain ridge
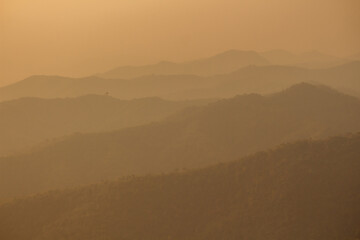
x,y
251,79
218,64
197,137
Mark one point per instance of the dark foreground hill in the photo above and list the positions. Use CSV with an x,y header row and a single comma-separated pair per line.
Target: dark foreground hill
x,y
253,79
29,121
198,137
304,190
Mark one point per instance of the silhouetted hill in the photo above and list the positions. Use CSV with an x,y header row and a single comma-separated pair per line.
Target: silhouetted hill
x,y
304,190
219,64
197,137
252,79
29,121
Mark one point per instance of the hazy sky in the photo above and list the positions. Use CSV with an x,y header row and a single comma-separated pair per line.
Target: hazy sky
x,y
80,37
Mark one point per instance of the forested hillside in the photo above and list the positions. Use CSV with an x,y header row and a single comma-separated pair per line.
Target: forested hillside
x,y
303,190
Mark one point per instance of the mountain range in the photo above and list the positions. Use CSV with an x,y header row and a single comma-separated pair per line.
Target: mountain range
x,y
219,64
227,62
197,137
239,145
251,79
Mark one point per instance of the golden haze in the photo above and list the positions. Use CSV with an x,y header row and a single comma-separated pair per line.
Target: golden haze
x,y
81,37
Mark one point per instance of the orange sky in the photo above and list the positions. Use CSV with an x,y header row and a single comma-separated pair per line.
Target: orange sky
x,y
80,37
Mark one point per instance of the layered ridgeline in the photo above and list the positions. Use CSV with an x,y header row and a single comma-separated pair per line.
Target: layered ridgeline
x,y
269,79
30,121
252,79
305,190
198,137
227,62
